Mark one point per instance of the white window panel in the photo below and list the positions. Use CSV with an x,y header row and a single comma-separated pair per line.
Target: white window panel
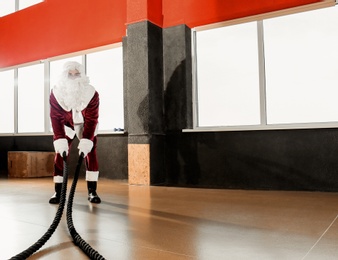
x,y
31,99
105,71
7,7
27,3
7,101
228,76
301,58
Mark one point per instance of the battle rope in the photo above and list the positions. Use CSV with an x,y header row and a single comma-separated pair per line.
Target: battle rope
x,y
83,245
38,244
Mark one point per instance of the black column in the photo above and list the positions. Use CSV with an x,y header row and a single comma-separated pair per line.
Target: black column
x,y
181,164
143,68
177,78
158,99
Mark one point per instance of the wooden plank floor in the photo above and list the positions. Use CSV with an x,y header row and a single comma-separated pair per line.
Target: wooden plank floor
x,y
139,222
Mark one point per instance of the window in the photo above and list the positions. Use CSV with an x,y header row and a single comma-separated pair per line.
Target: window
x,y
27,3
282,75
10,6
7,101
31,99
301,58
105,71
25,109
7,7
227,76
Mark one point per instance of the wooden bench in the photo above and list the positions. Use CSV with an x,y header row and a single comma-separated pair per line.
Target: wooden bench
x,y
24,164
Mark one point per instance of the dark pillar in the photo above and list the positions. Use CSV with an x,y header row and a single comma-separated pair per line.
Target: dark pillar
x,y
158,100
177,78
143,59
181,164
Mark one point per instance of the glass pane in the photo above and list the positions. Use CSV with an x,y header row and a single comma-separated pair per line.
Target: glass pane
x,y
7,7
31,99
26,3
228,76
105,70
7,101
301,67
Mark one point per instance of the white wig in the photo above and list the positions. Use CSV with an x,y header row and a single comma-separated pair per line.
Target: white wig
x,y
73,65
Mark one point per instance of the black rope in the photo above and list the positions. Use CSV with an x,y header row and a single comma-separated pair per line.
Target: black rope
x,y
84,246
78,241
38,244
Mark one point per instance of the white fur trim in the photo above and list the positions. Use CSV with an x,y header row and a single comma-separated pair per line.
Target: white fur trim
x,y
92,176
85,146
61,146
96,129
59,98
58,179
78,130
77,117
69,132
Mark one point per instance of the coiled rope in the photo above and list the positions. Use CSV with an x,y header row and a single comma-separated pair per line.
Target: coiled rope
x,y
38,244
82,244
78,241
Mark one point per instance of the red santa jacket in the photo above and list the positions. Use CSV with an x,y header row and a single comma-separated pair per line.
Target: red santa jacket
x,y
61,118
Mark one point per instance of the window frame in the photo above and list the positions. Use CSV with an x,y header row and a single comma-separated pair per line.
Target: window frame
x,y
19,97
8,107
17,7
21,8
262,84
47,89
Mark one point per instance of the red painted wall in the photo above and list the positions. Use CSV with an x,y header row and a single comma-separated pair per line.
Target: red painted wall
x,y
57,27
141,10
195,13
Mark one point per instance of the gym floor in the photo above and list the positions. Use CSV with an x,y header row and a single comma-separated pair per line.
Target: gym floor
x,y
140,222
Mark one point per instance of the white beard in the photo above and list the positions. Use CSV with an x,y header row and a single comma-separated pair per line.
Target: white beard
x,y
74,94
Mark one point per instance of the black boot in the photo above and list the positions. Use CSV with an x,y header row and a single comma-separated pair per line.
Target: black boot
x,y
92,195
55,199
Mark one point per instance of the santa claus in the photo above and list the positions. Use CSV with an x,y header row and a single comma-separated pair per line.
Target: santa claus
x,y
74,111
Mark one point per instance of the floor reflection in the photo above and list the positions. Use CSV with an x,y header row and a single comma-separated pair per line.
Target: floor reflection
x,y
141,222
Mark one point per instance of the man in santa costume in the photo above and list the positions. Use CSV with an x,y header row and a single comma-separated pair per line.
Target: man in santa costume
x,y
74,110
